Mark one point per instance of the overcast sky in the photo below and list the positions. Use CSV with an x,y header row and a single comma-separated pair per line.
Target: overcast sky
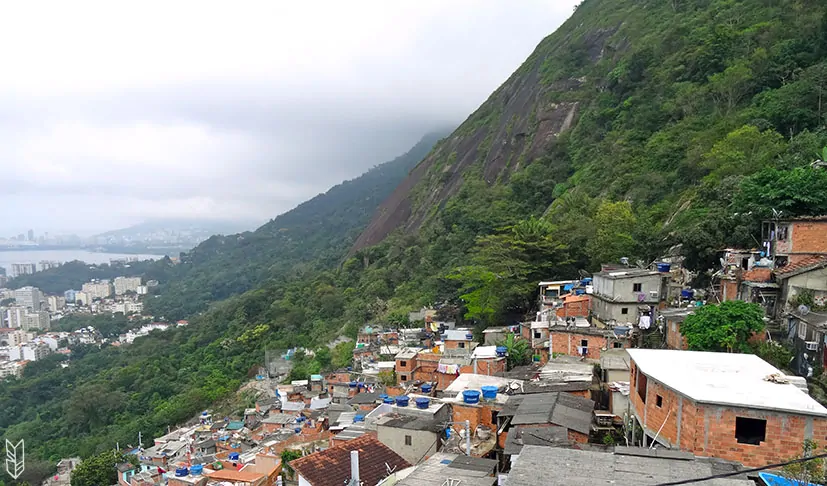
x,y
110,115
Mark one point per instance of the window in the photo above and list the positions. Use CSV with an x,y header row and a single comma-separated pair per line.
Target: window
x,y
637,287
494,415
641,386
408,440
658,401
584,343
802,330
537,335
782,232
750,430
617,345
624,310
403,363
461,345
403,377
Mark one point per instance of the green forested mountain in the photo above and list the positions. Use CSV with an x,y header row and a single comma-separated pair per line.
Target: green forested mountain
x,y
638,126
314,234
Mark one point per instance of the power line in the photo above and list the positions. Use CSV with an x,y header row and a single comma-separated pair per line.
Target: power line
x,y
744,471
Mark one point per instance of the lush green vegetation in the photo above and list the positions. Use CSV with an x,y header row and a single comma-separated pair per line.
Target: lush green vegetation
x,y
98,469
725,327
695,119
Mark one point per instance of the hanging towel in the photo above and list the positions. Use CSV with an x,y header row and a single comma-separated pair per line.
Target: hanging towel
x,y
645,322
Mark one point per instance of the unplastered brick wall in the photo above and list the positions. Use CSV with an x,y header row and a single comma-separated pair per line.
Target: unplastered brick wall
x,y
808,237
710,430
568,342
784,436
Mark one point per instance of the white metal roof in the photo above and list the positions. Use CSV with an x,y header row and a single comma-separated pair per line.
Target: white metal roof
x,y
724,379
556,282
457,334
484,352
473,381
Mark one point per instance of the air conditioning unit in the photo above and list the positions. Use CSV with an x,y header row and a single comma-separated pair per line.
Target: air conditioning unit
x,y
654,294
811,345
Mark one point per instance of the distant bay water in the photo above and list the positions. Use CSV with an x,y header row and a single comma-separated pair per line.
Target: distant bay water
x,y
63,256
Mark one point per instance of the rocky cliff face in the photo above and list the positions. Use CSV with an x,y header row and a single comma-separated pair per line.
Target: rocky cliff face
x,y
519,123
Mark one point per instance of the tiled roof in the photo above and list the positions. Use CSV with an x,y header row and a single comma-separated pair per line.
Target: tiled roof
x,y
331,467
802,266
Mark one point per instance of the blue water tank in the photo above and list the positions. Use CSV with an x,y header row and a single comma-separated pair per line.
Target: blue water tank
x,y
469,336
489,392
233,456
181,472
388,400
352,384
297,430
383,396
402,401
502,351
359,418
687,294
426,388
664,267
196,469
471,396
423,403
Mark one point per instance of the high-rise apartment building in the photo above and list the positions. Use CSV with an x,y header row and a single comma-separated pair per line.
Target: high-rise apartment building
x,y
36,320
55,302
98,290
126,284
29,297
18,269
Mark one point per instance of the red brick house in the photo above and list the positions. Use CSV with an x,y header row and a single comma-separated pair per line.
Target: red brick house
x,y
731,406
789,241
586,341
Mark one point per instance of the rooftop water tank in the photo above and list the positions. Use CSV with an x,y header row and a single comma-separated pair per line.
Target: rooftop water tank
x,y
469,336
687,294
233,456
664,267
359,418
383,396
181,472
426,388
471,396
352,384
502,351
489,392
422,403
388,400
402,401
196,469
297,430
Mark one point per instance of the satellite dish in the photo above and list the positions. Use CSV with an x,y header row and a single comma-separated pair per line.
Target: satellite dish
x,y
803,310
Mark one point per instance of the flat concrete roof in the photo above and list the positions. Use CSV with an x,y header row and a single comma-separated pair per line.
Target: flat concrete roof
x,y
727,379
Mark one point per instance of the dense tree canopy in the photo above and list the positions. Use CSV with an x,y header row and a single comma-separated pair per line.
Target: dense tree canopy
x,y
728,327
